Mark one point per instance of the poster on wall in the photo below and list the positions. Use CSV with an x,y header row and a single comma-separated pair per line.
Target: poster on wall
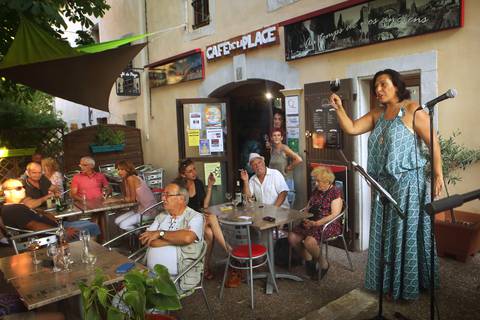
x,y
193,137
213,116
369,22
128,84
177,69
291,105
204,147
215,169
215,137
195,120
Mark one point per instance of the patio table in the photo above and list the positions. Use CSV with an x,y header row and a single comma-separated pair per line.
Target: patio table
x,y
104,207
39,286
257,212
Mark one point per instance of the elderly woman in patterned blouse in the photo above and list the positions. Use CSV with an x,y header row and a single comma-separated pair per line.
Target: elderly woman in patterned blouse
x,y
325,204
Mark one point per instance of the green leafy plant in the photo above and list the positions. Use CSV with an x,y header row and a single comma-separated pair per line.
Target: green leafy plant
x,y
142,291
456,157
106,136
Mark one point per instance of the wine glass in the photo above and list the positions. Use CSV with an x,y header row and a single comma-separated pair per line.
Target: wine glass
x,y
54,253
84,236
228,196
91,259
335,85
33,246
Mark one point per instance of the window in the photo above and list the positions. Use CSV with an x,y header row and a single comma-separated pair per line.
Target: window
x,y
201,13
131,123
102,120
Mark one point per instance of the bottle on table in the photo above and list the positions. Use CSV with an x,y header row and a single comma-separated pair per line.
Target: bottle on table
x,y
238,194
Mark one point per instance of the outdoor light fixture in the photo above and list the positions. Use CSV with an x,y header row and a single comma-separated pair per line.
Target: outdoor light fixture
x,y
268,95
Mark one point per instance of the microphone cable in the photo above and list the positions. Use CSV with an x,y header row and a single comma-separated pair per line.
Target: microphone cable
x,y
427,264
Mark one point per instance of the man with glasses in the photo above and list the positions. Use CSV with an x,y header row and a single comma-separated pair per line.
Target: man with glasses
x,y
38,188
175,238
16,214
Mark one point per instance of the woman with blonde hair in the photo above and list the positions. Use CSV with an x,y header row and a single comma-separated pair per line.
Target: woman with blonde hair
x,y
325,204
50,170
134,190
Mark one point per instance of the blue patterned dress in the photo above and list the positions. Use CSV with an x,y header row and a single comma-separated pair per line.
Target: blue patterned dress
x,y
393,163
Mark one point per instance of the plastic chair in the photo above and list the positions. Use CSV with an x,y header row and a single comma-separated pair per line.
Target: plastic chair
x,y
19,237
254,255
325,241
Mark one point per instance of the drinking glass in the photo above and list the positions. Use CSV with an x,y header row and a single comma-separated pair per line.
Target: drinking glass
x,y
65,258
33,246
84,236
228,196
104,193
91,259
54,253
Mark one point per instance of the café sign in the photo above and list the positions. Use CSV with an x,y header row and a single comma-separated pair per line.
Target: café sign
x,y
253,40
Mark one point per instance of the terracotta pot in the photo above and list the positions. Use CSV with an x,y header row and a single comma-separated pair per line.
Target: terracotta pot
x,y
150,316
460,239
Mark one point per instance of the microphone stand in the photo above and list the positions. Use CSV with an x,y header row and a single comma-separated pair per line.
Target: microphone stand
x,y
431,111
385,199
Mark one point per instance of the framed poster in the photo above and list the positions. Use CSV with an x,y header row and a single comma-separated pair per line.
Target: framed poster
x,y
181,68
357,24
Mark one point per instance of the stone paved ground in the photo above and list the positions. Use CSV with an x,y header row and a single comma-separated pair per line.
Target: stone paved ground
x,y
458,297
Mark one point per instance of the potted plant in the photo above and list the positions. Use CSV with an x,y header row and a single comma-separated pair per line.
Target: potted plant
x,y
142,291
457,232
108,140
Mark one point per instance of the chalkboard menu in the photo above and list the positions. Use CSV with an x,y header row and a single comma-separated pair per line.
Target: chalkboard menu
x,y
326,127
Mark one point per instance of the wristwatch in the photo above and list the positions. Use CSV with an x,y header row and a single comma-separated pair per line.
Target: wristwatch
x,y
161,234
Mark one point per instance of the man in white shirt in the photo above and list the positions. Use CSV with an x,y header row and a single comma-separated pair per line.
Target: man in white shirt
x,y
267,185
176,235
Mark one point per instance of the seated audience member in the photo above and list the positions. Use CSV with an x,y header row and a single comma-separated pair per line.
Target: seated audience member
x,y
135,189
16,214
38,189
267,185
88,183
50,170
325,204
176,236
199,200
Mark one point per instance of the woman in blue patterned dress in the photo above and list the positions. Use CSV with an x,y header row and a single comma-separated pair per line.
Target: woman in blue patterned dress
x,y
395,161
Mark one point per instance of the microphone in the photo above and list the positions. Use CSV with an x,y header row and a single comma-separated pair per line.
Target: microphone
x,y
451,93
452,202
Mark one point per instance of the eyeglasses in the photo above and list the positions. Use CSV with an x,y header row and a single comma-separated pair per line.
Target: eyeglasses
x,y
166,194
17,188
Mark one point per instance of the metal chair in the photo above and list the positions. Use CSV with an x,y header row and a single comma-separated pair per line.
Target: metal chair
x,y
251,254
199,286
19,237
140,256
341,217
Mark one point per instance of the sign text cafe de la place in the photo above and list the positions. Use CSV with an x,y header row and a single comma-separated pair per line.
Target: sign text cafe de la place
x,y
252,40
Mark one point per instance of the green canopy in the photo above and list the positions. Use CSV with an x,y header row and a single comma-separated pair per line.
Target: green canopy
x,y
83,75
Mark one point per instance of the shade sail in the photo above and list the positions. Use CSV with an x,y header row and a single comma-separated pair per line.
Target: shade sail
x,y
84,75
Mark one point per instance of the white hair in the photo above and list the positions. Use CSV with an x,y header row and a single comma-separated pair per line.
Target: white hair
x,y
88,160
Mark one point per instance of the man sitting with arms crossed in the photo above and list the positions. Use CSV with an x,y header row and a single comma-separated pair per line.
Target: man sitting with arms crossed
x,y
17,215
267,185
175,238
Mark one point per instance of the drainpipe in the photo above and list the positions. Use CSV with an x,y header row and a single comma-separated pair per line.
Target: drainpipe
x,y
147,100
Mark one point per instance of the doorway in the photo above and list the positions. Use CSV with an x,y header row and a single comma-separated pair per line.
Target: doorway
x,y
252,104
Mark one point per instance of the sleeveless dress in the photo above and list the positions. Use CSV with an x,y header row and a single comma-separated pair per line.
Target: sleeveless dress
x,y
278,161
392,161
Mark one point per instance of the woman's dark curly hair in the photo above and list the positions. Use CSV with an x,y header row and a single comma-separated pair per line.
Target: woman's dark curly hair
x,y
402,92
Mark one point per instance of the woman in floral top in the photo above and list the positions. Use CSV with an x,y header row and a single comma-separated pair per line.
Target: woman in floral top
x,y
325,204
